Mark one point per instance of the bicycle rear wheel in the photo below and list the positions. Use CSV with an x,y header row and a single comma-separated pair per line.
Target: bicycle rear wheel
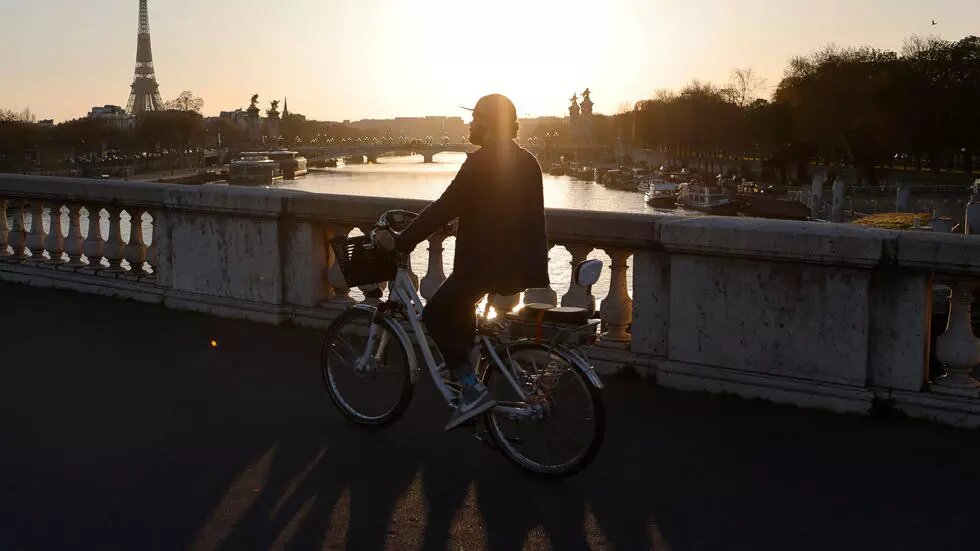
x,y
568,427
370,383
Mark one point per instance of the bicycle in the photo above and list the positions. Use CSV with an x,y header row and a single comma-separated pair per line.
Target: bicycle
x,y
548,396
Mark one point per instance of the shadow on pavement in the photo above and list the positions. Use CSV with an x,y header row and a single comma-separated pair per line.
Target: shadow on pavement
x,y
121,427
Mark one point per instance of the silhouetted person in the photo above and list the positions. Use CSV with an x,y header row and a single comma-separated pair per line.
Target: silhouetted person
x,y
501,244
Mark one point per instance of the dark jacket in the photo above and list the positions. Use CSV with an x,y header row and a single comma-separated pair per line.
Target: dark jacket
x,y
498,197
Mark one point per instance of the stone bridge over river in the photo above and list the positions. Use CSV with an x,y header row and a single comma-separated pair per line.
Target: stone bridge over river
x,y
121,426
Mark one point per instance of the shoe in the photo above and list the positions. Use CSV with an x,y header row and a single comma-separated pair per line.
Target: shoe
x,y
475,399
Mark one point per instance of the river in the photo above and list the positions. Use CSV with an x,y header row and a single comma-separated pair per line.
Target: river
x,y
409,177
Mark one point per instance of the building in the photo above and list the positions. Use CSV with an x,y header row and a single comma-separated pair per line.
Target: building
x,y
111,114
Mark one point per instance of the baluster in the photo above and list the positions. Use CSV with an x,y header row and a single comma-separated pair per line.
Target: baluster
x,y
958,349
335,278
94,246
73,243
503,304
55,242
617,307
135,251
35,238
578,295
115,247
435,275
544,295
4,230
157,236
17,237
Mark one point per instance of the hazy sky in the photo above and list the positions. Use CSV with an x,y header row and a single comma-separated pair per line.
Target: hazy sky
x,y
352,59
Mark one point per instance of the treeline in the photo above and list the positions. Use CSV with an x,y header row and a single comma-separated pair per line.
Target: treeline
x,y
862,107
28,146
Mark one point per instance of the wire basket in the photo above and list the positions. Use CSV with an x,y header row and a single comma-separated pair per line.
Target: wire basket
x,y
362,262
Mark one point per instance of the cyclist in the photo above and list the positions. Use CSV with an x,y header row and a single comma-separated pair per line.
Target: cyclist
x,y
501,243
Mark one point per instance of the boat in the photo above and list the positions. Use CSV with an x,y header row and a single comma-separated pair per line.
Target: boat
x,y
619,179
254,170
581,172
292,164
707,198
659,193
556,170
754,200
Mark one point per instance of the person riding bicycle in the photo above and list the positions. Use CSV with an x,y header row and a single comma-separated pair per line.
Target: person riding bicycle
x,y
501,243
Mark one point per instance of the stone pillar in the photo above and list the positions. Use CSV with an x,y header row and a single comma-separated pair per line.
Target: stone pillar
x,y
17,236
837,211
73,243
4,230
94,245
55,242
578,295
115,247
35,238
958,349
816,196
902,196
543,295
135,251
435,275
617,307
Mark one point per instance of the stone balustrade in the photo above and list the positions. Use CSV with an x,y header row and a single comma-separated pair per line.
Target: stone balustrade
x,y
819,315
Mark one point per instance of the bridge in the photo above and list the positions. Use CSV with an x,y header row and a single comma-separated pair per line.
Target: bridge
x,y
373,151
546,153
123,426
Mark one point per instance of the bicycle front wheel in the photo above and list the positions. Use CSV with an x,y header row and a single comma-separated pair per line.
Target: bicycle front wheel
x,y
564,423
365,368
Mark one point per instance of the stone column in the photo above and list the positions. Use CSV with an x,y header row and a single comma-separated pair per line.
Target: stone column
x,y
837,208
958,349
74,241
816,196
93,245
115,247
617,307
578,295
55,242
17,236
543,295
136,249
4,230
35,238
435,275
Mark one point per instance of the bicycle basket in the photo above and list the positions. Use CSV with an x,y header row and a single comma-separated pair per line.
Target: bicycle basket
x,y
362,262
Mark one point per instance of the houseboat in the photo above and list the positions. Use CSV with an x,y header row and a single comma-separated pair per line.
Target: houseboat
x,y
254,170
707,198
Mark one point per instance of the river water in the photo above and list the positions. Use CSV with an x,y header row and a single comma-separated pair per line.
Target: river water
x,y
409,177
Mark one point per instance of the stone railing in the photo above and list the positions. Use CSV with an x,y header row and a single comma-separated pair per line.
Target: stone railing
x,y
821,315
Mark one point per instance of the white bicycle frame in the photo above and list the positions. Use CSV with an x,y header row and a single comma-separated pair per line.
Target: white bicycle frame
x,y
402,291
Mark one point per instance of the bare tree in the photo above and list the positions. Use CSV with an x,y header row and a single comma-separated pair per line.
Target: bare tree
x,y
22,116
744,85
186,101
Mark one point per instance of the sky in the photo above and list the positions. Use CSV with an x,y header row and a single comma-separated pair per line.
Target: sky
x,y
354,59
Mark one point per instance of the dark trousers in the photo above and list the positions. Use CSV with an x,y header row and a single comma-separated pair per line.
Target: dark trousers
x,y
450,318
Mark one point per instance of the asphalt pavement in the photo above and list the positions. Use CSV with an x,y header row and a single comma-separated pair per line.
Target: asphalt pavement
x,y
122,427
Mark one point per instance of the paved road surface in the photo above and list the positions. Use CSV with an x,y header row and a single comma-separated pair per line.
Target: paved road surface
x,y
120,427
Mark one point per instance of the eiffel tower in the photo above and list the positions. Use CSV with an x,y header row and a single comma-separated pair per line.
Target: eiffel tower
x,y
145,95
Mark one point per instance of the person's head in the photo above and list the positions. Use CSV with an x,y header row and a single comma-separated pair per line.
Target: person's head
x,y
494,118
